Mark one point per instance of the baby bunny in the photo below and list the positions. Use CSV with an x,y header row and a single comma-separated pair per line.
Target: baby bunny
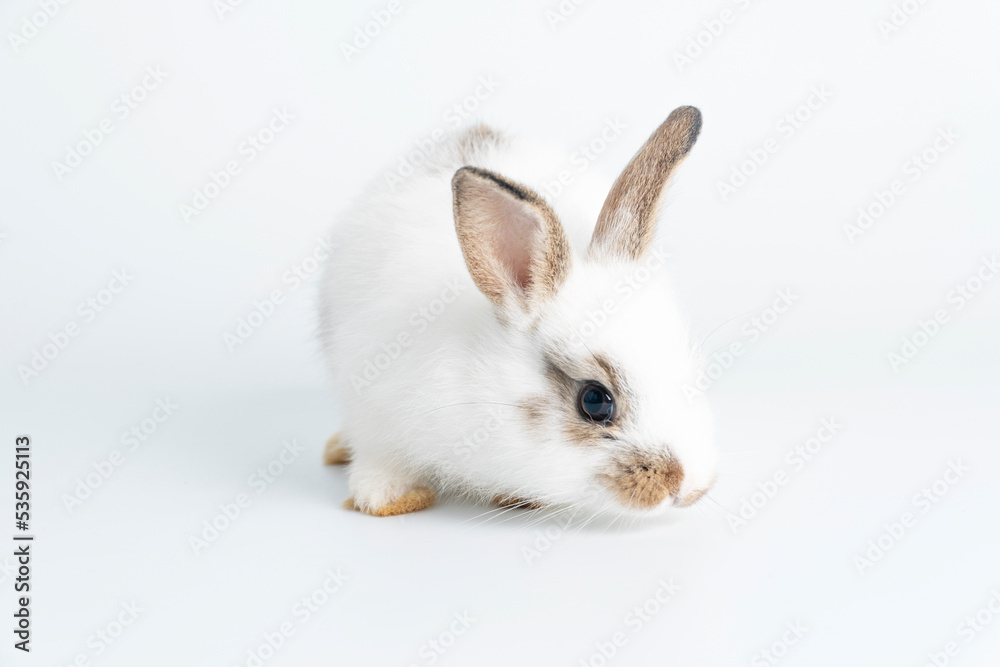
x,y
475,349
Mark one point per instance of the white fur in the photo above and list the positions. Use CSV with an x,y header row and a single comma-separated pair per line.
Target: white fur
x,y
422,420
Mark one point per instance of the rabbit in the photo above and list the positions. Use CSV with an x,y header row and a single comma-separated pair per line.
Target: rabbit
x,y
475,350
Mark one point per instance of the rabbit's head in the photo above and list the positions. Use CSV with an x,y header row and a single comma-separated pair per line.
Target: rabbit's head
x,y
615,428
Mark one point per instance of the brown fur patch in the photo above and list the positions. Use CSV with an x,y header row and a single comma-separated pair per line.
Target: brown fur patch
x,y
533,411
693,497
335,452
511,501
475,140
614,380
411,501
566,387
626,225
540,262
641,480
576,429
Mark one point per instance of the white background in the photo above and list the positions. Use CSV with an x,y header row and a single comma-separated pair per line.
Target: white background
x,y
535,599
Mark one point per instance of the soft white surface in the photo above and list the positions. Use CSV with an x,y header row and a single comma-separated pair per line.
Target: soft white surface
x,y
163,335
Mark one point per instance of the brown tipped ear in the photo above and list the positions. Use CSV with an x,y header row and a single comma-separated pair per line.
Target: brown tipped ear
x,y
627,223
512,241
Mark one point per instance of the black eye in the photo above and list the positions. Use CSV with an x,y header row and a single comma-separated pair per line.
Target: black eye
x,y
596,403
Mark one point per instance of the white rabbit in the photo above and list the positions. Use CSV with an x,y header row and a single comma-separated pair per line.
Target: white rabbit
x,y
475,350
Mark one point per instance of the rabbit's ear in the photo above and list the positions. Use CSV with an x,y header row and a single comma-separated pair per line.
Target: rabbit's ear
x,y
514,244
627,222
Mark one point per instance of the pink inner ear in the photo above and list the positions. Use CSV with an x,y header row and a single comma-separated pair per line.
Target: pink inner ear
x,y
517,228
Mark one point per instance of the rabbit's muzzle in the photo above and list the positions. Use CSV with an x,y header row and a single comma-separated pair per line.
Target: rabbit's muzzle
x,y
640,480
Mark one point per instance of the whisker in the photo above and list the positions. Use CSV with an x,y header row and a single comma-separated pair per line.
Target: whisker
x,y
719,505
712,333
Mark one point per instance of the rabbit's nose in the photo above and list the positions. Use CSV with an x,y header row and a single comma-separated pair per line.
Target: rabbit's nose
x,y
643,481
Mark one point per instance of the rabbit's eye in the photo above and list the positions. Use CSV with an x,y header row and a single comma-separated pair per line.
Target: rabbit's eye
x,y
596,403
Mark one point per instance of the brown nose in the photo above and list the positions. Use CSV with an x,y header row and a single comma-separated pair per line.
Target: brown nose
x,y
642,481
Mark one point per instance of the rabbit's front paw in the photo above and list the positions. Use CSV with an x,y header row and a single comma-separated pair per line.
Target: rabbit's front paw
x,y
411,501
381,490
